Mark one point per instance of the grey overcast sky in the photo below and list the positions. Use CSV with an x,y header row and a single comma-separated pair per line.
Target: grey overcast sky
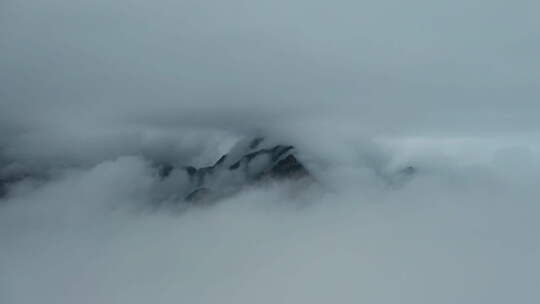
x,y
414,67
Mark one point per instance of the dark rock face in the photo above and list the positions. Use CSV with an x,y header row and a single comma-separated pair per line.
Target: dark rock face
x,y
288,167
164,170
248,164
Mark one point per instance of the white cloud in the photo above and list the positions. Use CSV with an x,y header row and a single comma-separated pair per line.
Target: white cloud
x,y
91,93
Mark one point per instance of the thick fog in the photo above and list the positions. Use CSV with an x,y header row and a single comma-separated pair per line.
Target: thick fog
x,y
94,93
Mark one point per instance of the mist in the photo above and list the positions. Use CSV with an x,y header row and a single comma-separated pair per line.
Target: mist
x,y
94,94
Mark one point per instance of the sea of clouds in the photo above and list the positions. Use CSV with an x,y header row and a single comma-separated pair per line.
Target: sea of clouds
x,y
93,93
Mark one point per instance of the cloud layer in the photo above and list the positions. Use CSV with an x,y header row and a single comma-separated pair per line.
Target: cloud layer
x,y
92,94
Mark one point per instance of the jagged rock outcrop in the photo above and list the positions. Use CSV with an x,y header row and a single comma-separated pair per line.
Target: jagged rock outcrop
x,y
248,163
